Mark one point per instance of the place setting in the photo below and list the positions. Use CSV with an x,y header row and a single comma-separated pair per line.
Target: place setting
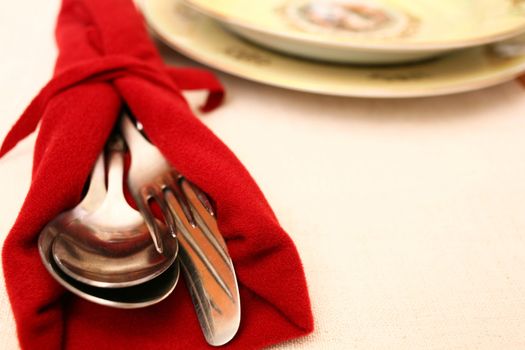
x,y
141,229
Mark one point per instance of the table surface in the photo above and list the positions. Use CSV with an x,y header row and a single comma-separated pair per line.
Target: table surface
x,y
408,214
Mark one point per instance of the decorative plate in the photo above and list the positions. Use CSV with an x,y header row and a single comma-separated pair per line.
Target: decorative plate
x,y
204,40
368,31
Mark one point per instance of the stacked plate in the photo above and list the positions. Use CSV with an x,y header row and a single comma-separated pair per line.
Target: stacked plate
x,y
365,48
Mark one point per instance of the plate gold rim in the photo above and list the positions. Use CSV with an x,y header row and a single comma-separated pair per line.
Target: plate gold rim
x,y
409,47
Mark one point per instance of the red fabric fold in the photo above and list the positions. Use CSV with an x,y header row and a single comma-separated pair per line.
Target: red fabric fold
x,y
108,69
106,59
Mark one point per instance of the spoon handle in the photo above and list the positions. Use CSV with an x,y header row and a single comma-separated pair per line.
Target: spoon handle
x,y
97,187
115,201
115,176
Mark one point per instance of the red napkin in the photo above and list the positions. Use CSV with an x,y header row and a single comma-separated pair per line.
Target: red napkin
x,y
106,58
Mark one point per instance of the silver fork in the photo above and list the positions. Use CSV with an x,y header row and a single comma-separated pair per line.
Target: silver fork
x,y
207,266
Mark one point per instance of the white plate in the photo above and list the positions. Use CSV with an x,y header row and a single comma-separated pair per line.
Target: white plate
x,y
368,31
205,41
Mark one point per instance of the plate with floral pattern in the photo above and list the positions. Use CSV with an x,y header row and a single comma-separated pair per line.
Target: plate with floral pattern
x,y
206,41
368,31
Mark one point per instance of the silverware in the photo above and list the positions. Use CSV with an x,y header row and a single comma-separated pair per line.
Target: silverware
x,y
138,296
141,295
205,261
110,246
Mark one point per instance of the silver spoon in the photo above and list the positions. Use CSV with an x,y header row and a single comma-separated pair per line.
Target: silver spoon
x,y
142,295
138,296
110,246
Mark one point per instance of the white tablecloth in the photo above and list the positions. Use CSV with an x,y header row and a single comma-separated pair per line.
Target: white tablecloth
x,y
408,214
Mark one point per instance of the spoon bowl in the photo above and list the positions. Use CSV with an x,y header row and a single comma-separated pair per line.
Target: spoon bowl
x,y
110,246
138,296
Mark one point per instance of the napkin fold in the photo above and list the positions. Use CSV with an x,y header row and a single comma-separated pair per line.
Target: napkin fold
x,y
106,59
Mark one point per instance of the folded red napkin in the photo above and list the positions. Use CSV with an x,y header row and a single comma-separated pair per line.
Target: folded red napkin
x,y
106,59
